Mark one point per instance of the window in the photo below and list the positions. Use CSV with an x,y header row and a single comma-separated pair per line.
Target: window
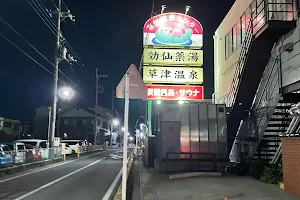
x,y
20,147
238,34
234,39
92,121
5,148
43,144
98,122
74,121
84,121
65,121
243,27
226,47
7,124
230,43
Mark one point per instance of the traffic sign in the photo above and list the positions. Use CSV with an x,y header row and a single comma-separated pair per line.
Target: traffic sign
x,y
138,89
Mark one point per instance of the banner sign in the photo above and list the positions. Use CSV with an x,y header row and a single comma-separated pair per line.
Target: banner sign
x,y
173,29
193,75
175,92
169,57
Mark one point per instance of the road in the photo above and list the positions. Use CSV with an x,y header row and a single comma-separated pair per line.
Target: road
x,y
88,178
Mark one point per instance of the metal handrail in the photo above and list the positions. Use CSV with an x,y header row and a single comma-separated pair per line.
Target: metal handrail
x,y
229,99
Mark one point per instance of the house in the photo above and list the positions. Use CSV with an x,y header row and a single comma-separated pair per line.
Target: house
x,y
9,129
74,123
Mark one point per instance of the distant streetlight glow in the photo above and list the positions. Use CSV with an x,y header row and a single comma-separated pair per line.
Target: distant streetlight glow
x,y
123,129
130,138
115,122
181,102
158,102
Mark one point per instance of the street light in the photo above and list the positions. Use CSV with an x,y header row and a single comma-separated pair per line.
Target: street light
x,y
123,129
66,93
158,102
116,122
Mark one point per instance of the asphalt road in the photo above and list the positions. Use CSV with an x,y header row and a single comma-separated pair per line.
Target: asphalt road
x,y
88,178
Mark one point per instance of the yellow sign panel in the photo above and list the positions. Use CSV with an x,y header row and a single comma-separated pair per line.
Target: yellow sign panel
x,y
173,57
176,75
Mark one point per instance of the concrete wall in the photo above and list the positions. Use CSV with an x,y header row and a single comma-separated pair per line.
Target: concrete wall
x,y
291,163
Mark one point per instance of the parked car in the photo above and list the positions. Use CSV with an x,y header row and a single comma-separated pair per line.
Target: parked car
x,y
38,144
32,154
65,149
75,145
18,152
5,156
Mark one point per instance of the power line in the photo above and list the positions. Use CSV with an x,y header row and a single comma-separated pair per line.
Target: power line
x,y
50,23
49,26
16,32
73,21
34,48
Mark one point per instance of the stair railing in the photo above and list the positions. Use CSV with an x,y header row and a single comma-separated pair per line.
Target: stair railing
x,y
230,98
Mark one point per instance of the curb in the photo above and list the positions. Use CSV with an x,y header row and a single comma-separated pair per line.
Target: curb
x,y
195,174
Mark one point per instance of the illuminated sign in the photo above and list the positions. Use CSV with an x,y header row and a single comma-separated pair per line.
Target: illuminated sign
x,y
175,57
193,75
175,92
173,29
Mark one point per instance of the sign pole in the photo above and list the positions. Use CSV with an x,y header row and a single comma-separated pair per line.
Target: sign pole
x,y
126,111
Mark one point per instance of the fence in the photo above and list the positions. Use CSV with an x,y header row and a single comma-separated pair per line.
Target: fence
x,y
9,158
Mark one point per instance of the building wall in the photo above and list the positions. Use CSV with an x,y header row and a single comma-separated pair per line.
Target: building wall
x,y
224,68
230,34
290,61
291,163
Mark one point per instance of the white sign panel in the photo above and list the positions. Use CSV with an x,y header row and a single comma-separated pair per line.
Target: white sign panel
x,y
193,75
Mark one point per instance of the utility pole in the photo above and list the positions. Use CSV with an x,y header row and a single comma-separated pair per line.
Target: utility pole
x,y
96,103
112,116
96,107
60,55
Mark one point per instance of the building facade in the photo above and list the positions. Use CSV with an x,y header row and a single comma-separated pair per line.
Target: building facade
x,y
257,76
9,129
74,123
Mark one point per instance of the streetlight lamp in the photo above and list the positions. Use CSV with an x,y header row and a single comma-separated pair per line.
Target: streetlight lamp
x,y
116,123
66,93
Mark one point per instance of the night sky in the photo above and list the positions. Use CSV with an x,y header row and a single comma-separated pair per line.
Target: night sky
x,y
107,36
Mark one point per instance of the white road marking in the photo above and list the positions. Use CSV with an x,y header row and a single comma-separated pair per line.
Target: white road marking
x,y
57,180
46,168
114,184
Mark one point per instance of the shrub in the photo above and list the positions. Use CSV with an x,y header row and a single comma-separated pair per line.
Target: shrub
x,y
271,175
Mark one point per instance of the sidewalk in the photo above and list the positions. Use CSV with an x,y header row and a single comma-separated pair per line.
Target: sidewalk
x,y
156,186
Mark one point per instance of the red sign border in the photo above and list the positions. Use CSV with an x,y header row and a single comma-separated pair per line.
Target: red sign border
x,y
175,99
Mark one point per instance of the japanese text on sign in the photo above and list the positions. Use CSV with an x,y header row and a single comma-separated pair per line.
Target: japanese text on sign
x,y
173,75
175,92
173,57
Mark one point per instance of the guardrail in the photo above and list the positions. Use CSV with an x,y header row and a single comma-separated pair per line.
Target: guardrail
x,y
115,190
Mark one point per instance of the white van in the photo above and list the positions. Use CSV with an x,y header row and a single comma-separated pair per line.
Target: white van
x,y
38,144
